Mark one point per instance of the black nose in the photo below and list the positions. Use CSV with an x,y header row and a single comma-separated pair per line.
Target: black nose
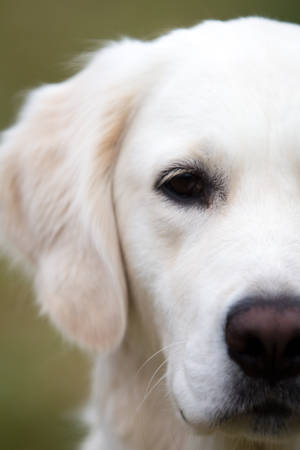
x,y
263,337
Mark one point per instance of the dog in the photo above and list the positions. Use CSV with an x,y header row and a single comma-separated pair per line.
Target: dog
x,y
154,197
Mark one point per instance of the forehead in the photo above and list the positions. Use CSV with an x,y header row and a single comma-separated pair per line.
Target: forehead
x,y
223,92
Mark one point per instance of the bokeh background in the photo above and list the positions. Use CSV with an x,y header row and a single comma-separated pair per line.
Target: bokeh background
x,y
43,381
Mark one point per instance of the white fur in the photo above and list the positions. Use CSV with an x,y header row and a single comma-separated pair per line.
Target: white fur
x,y
122,270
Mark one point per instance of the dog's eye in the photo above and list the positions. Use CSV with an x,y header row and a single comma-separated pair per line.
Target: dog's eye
x,y
187,188
185,185
190,183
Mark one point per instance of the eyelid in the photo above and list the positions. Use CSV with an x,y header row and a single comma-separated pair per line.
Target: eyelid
x,y
173,173
194,167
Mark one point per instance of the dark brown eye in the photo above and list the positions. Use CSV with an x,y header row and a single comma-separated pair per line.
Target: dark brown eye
x,y
191,184
187,188
185,185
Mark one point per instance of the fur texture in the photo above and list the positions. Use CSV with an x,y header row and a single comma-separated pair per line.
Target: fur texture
x,y
138,277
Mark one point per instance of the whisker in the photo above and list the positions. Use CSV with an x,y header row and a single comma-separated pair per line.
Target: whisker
x,y
155,372
147,395
157,353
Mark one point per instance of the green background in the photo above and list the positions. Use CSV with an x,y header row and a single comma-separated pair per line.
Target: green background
x,y
43,381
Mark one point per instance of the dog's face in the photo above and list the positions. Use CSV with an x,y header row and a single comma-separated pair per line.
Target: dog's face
x,y
190,159
207,192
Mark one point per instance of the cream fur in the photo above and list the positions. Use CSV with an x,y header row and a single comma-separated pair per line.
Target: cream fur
x,y
132,276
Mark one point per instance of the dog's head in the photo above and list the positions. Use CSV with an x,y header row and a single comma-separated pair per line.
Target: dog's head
x,y
171,170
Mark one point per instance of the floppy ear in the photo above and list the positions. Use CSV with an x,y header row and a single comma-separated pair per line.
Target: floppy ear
x,y
56,206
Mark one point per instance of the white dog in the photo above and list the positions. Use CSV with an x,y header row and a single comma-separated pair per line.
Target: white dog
x,y
155,196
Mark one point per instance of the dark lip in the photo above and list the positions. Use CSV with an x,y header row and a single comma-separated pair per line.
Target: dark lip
x,y
272,409
268,410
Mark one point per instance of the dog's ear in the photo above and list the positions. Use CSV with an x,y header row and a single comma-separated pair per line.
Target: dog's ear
x,y
56,206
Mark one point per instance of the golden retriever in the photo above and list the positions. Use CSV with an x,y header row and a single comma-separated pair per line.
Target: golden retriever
x,y
155,198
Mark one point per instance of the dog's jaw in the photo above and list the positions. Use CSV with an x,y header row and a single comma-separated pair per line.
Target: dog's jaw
x,y
123,417
122,407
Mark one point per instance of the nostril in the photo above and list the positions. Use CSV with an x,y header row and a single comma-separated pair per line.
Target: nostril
x,y
292,350
249,352
253,347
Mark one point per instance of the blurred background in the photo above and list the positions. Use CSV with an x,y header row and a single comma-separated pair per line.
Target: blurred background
x,y
44,381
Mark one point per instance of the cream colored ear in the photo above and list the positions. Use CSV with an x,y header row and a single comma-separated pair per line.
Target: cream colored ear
x,y
56,207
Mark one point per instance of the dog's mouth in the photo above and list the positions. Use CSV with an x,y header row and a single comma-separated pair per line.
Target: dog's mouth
x,y
264,403
263,418
259,410
271,408
250,408
269,420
